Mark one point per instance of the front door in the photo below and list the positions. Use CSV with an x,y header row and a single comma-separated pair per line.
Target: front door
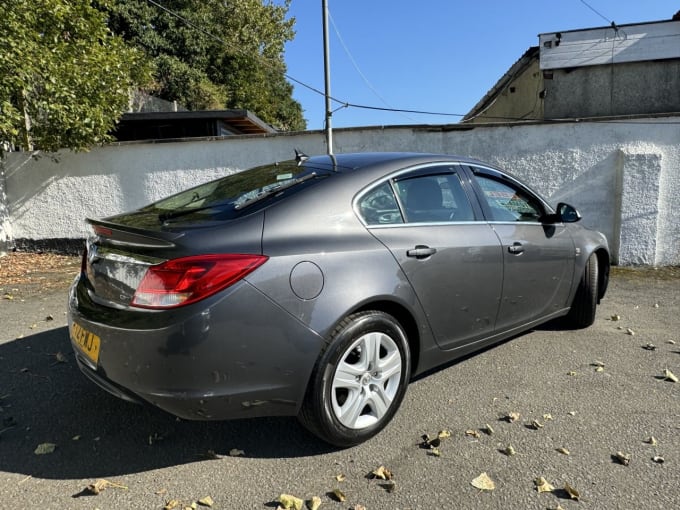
x,y
451,257
538,258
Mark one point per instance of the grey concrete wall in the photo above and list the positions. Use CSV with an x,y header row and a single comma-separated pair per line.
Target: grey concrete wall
x,y
624,177
621,89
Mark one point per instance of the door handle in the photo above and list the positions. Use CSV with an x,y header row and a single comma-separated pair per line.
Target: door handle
x,y
516,248
421,251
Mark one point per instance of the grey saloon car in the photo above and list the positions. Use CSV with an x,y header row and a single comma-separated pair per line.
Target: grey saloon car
x,y
318,287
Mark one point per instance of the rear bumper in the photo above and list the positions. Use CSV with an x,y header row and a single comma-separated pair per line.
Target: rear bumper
x,y
234,355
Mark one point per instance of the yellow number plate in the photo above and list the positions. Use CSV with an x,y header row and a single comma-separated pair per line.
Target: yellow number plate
x,y
87,341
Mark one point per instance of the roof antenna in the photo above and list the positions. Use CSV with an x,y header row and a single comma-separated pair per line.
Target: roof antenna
x,y
300,157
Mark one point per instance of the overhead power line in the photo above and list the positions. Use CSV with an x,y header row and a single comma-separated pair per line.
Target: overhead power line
x,y
342,104
347,104
596,11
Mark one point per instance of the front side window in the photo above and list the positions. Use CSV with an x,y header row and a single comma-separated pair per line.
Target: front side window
x,y
508,202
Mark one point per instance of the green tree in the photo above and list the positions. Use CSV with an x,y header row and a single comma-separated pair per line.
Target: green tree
x,y
216,54
64,77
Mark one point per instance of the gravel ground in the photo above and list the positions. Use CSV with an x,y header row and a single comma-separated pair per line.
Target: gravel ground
x,y
596,392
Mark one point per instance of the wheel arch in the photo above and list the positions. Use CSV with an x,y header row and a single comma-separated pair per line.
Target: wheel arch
x,y
405,319
603,264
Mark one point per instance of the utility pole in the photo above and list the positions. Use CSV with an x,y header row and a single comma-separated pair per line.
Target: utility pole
x,y
327,79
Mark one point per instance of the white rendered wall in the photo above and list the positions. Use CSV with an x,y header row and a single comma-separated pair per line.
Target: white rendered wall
x,y
623,177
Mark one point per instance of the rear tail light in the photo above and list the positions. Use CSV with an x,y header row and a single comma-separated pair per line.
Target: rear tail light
x,y
182,281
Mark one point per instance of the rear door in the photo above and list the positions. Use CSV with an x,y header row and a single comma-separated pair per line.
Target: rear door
x,y
538,257
451,257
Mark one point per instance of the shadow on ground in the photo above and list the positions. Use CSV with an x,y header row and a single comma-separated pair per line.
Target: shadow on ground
x,y
45,399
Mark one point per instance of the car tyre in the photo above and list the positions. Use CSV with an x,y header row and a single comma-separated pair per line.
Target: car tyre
x,y
582,312
359,380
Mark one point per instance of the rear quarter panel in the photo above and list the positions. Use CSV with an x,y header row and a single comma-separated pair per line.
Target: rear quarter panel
x,y
319,227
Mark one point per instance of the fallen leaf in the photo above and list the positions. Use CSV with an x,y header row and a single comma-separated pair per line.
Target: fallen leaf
x,y
599,369
630,332
206,501
615,318
171,504
535,424
672,342
339,496
547,416
669,376
649,347
45,448
488,429
472,433
622,458
651,440
510,417
572,413
542,485
340,477
443,434
658,459
382,472
289,501
314,503
598,364
573,493
76,438
235,452
509,451
483,482
571,373
100,485
435,452
97,487
49,318
359,507
563,451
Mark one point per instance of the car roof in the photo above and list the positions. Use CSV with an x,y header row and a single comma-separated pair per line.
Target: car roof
x,y
348,162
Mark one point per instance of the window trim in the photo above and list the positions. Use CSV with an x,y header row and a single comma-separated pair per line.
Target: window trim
x,y
496,175
435,168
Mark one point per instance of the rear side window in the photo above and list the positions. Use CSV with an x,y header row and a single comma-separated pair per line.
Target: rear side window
x,y
379,206
434,198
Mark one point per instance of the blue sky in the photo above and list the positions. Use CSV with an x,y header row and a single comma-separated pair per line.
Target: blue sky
x,y
430,55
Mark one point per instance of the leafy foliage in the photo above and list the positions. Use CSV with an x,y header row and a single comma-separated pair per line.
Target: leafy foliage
x,y
64,77
218,55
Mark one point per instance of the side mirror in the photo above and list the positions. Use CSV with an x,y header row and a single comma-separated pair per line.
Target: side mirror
x,y
567,213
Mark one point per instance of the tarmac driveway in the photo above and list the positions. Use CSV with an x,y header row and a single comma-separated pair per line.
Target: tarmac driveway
x,y
592,393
